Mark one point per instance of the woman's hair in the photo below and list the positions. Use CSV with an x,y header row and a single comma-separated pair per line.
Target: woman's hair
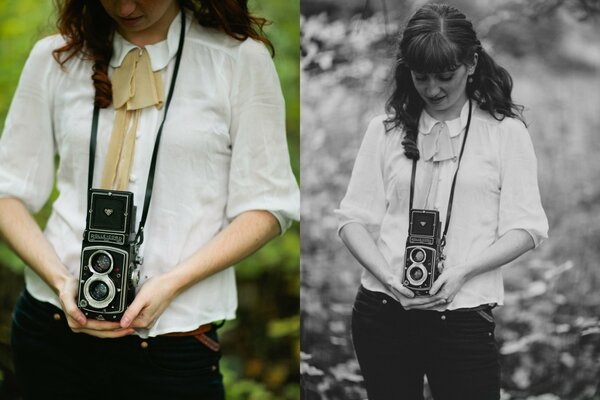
x,y
88,30
439,38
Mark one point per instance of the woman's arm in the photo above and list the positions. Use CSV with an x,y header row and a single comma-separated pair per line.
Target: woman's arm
x,y
363,248
507,248
25,237
247,233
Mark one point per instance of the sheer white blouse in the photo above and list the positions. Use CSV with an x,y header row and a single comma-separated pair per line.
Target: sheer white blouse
x,y
223,152
496,191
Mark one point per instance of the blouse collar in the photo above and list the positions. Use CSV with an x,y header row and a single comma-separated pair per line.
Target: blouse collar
x,y
160,53
455,126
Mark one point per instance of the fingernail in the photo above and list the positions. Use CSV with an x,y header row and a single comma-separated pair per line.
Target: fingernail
x,y
125,322
81,320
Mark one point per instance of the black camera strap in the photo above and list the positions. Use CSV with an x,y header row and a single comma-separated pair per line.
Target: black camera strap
x,y
414,172
148,196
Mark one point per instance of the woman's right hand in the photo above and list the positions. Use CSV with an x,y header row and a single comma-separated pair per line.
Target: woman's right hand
x,y
409,301
67,293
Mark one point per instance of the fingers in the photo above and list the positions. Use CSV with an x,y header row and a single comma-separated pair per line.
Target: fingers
x,y
437,285
423,303
101,329
132,312
73,312
106,334
406,292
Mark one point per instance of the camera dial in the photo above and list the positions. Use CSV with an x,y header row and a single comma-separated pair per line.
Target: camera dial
x,y
101,262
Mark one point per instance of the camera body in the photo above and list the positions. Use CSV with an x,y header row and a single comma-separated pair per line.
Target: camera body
x,y
109,271
423,251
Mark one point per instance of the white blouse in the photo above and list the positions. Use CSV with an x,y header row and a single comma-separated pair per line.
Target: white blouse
x,y
223,152
496,191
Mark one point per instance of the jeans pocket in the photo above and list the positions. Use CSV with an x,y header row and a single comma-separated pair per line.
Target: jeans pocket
x,y
368,303
471,325
486,315
184,356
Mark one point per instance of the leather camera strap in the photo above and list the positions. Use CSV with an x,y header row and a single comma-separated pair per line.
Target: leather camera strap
x,y
414,172
150,183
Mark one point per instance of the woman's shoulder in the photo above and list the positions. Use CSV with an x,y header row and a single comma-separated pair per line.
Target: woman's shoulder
x,y
221,42
380,131
46,45
41,58
384,124
505,124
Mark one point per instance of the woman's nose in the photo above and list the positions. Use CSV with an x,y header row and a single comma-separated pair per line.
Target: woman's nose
x,y
432,89
125,7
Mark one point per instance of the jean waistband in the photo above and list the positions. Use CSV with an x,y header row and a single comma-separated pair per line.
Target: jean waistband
x,y
481,307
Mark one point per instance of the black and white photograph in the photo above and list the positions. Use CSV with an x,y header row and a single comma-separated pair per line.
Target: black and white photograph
x,y
450,200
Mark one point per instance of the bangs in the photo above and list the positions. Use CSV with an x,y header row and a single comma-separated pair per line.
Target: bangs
x,y
431,53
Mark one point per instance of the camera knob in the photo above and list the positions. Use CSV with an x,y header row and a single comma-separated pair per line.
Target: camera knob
x,y
135,276
139,260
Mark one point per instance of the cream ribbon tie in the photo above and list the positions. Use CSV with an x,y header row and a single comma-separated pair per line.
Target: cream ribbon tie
x,y
135,87
437,144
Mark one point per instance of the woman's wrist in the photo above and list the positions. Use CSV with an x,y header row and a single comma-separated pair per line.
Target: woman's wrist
x,y
57,277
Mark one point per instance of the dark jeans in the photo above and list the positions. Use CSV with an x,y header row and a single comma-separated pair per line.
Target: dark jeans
x,y
396,348
52,362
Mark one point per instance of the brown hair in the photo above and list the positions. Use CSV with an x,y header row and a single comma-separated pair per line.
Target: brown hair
x,y
89,30
437,38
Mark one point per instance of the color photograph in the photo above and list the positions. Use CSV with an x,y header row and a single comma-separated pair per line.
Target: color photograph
x,y
206,134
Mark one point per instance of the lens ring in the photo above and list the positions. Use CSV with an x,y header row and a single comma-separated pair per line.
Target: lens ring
x,y
101,262
415,268
417,255
92,284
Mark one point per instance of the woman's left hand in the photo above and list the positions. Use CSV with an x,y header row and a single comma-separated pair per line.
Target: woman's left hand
x,y
449,283
153,298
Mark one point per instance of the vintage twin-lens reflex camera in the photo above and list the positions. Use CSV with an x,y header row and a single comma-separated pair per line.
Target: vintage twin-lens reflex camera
x,y
109,269
423,251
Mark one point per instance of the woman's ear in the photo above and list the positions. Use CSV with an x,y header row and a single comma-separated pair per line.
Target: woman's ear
x,y
471,68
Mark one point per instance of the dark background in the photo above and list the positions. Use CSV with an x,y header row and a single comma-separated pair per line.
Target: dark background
x,y
548,329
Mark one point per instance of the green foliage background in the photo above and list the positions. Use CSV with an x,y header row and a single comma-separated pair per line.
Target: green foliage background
x,y
261,347
548,330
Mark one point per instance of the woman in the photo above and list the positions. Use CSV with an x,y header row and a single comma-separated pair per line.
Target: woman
x,y
451,113
220,181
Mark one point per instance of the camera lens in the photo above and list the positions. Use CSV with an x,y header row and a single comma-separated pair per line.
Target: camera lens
x,y
417,255
101,262
416,274
99,290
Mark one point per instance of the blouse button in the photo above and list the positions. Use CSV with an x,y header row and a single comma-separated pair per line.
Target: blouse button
x,y
443,317
132,178
144,345
384,301
56,317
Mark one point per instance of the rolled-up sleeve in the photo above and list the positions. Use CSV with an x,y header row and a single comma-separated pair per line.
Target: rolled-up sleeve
x,y
364,201
260,177
27,145
520,203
